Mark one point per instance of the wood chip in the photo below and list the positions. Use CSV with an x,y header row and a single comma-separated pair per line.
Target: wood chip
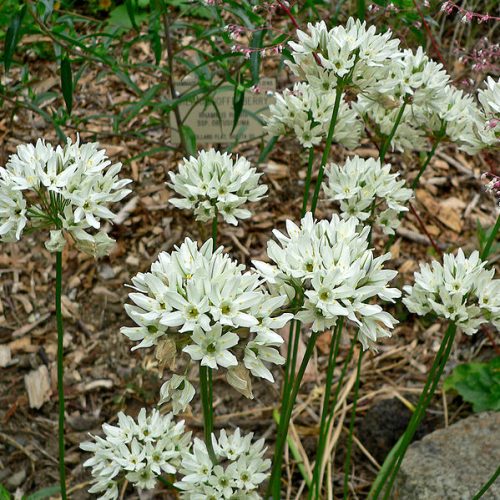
x,y
37,384
5,356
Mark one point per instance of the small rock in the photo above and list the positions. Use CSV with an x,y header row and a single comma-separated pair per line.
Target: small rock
x,y
106,272
383,424
16,479
453,463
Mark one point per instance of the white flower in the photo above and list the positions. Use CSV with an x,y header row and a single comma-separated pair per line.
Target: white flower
x,y
353,53
329,261
362,184
212,348
139,451
179,391
209,306
63,189
490,98
460,290
214,183
239,473
306,113
56,242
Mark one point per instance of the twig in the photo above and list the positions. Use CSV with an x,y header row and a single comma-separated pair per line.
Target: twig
x,y
424,229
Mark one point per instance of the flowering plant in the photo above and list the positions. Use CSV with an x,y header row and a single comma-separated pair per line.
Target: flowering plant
x,y
65,190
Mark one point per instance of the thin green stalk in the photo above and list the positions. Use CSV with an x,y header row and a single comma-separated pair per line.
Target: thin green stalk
x,y
388,141
361,8
423,402
486,485
275,480
294,451
420,411
491,239
328,145
60,372
207,405
308,181
430,154
347,463
332,361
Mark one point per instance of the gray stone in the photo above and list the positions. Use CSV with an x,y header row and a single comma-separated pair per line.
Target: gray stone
x,y
453,463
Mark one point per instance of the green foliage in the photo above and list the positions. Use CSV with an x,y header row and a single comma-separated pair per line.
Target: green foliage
x,y
44,493
478,384
12,36
4,494
107,37
483,236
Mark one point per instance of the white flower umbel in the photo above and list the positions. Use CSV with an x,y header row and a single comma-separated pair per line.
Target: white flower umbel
x,y
240,470
65,190
353,53
330,264
210,307
460,290
213,183
361,184
139,451
413,82
306,113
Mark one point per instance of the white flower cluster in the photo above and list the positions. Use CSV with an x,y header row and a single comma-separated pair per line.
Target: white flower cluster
x,y
329,263
213,183
306,113
241,468
212,309
322,57
64,190
460,290
380,78
362,184
139,451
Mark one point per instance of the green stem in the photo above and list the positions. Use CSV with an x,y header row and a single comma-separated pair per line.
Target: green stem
x,y
430,154
328,145
491,239
332,361
388,141
424,400
486,485
60,372
347,463
275,480
207,404
308,181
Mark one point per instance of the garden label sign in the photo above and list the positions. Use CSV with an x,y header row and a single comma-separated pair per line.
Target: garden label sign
x,y
212,122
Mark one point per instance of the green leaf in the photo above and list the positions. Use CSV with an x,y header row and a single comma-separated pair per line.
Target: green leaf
x,y
478,384
44,493
12,37
67,82
4,494
238,101
129,4
190,139
255,56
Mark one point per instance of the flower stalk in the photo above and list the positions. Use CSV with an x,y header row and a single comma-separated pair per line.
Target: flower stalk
x,y
386,481
60,372
328,145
